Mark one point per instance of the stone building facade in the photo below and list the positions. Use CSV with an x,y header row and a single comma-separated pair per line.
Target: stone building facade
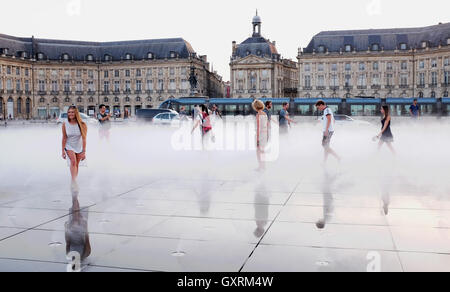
x,y
258,70
41,78
386,63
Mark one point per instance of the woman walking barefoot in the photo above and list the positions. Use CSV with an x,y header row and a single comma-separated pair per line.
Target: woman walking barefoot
x,y
386,136
262,132
74,142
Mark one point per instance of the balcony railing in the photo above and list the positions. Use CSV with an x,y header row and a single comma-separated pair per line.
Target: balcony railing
x,y
91,92
67,92
172,91
320,87
79,92
19,91
375,87
54,92
348,87
389,86
334,87
2,91
42,92
445,84
149,91
105,92
307,88
421,86
184,91
362,87
138,91
404,86
27,92
10,91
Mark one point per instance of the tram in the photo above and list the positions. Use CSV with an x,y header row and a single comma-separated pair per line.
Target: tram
x,y
306,106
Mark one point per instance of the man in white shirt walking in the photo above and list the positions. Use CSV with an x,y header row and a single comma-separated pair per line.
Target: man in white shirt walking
x,y
328,128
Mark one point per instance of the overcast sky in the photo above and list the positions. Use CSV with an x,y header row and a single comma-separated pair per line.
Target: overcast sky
x,y
211,25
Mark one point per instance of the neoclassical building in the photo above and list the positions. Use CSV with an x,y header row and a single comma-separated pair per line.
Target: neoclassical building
x,y
382,63
258,70
39,78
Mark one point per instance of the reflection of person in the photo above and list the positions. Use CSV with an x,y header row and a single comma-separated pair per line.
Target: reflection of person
x,y
414,110
328,128
262,131
261,210
328,207
105,123
386,136
76,231
74,141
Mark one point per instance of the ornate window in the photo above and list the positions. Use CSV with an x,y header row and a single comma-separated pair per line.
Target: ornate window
x,y
116,99
107,58
55,100
403,46
106,99
321,49
128,56
67,99
150,56
42,100
348,48
375,47
90,58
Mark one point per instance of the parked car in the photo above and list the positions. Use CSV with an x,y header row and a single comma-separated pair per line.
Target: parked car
x,y
167,119
147,115
87,119
347,120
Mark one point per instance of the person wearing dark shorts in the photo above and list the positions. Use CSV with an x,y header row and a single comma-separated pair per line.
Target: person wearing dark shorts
x,y
328,129
386,136
284,119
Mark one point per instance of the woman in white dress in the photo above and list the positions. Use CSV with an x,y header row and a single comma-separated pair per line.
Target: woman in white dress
x,y
74,141
262,132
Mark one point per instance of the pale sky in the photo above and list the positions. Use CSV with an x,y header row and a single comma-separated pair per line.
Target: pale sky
x,y
210,25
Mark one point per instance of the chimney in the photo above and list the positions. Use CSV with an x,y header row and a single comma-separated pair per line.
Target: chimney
x,y
234,47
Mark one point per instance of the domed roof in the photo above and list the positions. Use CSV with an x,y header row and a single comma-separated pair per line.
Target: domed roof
x,y
257,19
257,46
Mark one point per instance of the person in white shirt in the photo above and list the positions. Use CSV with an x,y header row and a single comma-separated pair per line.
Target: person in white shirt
x,y
328,128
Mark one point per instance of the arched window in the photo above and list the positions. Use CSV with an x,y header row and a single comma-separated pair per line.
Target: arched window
x,y
258,52
79,100
448,41
433,94
138,99
91,99
127,99
321,49
106,99
173,55
248,53
403,46
19,105
150,56
90,58
42,100
40,56
128,56
65,57
55,100
375,47
107,58
348,48
116,99
424,44
67,99
149,99
421,94
28,106
446,94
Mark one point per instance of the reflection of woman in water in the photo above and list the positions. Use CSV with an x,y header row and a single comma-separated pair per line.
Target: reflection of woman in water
x,y
74,141
77,235
386,136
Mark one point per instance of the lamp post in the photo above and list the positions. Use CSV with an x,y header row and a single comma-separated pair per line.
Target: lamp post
x,y
4,112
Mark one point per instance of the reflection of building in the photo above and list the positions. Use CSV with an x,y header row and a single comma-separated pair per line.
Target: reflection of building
x,y
39,78
381,63
257,70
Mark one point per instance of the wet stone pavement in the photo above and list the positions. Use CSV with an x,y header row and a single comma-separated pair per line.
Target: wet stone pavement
x,y
182,225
